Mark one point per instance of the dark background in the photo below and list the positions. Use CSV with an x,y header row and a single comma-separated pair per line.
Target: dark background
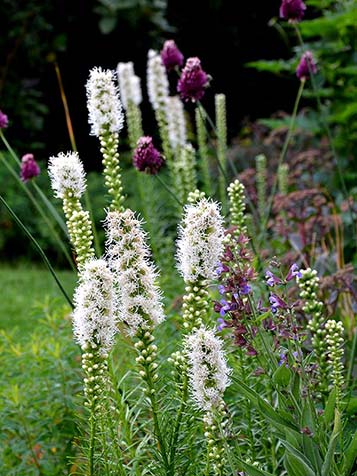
x,y
224,34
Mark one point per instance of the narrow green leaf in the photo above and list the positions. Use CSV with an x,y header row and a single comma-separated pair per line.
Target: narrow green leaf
x,y
282,376
329,458
252,470
350,455
330,407
303,461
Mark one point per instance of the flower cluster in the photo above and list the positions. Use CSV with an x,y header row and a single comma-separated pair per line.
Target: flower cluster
x,y
171,56
94,320
236,194
4,121
67,175
334,339
157,82
200,242
29,168
146,157
193,81
104,105
306,67
208,370
140,305
129,84
292,10
176,122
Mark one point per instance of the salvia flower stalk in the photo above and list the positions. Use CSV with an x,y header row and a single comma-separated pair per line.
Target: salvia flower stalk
x,y
131,97
68,183
107,119
199,248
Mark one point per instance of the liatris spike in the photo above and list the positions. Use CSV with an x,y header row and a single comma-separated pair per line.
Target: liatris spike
x,y
94,328
184,167
193,81
334,339
199,248
131,97
196,196
29,168
306,67
140,302
171,56
283,175
309,286
68,183
221,127
4,121
208,379
261,180
107,119
146,157
176,123
236,194
202,139
292,10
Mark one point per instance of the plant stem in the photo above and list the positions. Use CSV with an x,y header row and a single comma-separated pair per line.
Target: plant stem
x,y
167,188
38,247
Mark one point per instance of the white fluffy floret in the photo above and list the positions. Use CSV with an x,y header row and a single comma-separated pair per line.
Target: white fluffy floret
x,y
104,106
157,82
176,122
94,320
140,301
200,243
208,370
129,84
67,175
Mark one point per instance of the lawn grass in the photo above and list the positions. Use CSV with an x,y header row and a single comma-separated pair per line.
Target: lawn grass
x,y
22,288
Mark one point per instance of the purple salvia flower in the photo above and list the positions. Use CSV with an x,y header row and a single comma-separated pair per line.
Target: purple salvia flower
x,y
292,10
193,81
245,289
29,168
306,66
293,271
283,360
221,324
4,121
146,157
171,56
221,268
221,289
271,279
276,302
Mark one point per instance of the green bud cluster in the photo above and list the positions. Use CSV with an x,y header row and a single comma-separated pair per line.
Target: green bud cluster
x,y
309,287
196,305
185,179
147,353
196,196
261,181
134,123
221,128
334,340
203,148
236,194
214,424
94,365
283,174
109,148
79,228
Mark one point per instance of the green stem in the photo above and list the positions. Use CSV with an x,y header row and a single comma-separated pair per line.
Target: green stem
x,y
91,444
352,360
38,247
173,445
167,188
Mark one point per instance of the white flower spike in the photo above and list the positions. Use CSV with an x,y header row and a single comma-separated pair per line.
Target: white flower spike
x,y
67,175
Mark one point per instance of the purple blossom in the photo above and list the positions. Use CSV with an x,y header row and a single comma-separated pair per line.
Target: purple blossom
x,y
4,121
293,271
276,302
292,10
29,168
193,81
221,324
171,56
221,268
221,289
146,157
271,279
307,64
283,360
245,288
225,306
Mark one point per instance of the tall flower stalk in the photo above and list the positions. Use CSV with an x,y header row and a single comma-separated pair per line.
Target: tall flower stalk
x,y
202,141
237,199
106,119
185,172
221,127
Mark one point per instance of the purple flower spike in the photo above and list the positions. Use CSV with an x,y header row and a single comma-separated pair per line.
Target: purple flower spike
x,y
292,10
146,157
221,268
171,56
283,360
29,168
245,289
276,302
193,81
271,279
4,121
221,289
306,66
221,324
293,271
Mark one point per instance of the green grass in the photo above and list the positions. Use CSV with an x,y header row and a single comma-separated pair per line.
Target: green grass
x,y
22,288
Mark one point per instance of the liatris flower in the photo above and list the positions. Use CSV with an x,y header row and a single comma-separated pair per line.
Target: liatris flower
x,y
129,84
140,304
94,321
283,176
4,121
104,106
236,194
176,123
200,243
209,373
171,56
68,183
67,175
146,157
29,168
157,82
306,66
334,339
261,166
221,127
202,139
185,178
292,10
193,81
